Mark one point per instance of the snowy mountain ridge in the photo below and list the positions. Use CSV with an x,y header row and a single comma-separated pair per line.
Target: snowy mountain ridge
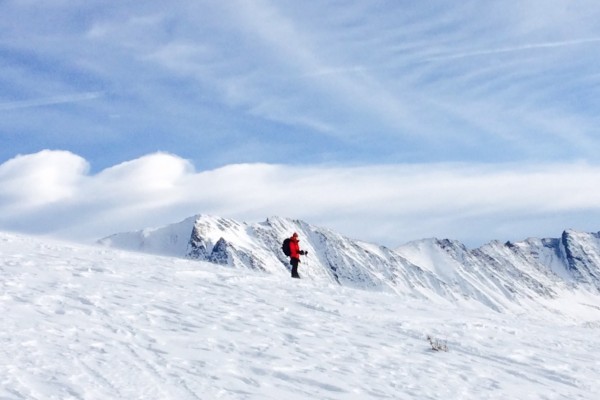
x,y
497,274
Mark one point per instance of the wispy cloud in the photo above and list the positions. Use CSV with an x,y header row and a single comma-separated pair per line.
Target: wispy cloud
x,y
392,89
514,49
50,101
430,79
53,192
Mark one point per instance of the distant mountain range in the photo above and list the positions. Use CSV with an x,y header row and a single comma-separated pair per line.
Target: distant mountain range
x,y
496,275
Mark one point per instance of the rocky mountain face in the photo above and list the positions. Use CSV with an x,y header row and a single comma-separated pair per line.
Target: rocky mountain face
x,y
497,275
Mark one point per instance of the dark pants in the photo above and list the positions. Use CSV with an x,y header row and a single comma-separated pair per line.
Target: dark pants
x,y
294,262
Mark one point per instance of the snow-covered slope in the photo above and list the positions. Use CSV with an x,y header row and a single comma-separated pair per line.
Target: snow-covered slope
x,y
497,275
93,323
172,240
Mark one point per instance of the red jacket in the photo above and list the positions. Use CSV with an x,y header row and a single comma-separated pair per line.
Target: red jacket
x,y
294,248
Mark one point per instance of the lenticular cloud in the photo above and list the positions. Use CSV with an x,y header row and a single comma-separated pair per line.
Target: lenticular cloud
x,y
53,192
40,179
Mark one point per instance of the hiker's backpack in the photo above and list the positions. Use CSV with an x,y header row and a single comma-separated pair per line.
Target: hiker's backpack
x,y
285,246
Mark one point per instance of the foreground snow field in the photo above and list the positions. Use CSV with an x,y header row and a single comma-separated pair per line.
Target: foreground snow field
x,y
84,322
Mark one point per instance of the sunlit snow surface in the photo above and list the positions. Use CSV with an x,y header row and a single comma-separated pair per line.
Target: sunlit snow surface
x,y
95,323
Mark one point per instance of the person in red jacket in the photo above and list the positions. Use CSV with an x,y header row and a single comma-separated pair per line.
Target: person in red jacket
x,y
295,254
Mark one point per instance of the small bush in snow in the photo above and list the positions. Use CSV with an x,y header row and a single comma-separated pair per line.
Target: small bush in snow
x,y
436,344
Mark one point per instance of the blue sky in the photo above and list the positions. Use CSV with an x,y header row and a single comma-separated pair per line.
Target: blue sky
x,y
327,88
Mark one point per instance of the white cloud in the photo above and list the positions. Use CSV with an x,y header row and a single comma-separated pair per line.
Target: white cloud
x,y
52,192
48,101
149,175
37,180
515,49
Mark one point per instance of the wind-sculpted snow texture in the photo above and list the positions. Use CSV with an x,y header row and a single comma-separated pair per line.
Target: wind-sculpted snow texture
x,y
96,323
497,275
